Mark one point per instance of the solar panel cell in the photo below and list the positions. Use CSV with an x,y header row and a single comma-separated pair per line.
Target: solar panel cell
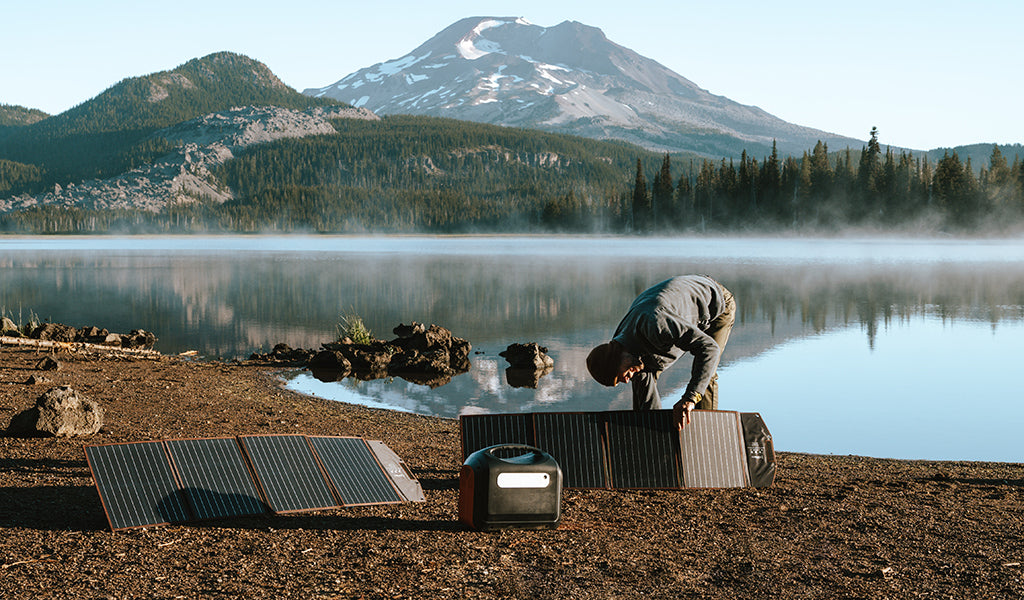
x,y
574,441
712,451
136,485
484,431
288,473
643,449
354,471
215,478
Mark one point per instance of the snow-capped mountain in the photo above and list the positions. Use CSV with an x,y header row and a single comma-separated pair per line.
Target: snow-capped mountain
x,y
568,78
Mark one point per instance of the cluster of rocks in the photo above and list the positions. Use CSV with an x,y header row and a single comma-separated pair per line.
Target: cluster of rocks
x,y
58,332
184,175
425,355
420,354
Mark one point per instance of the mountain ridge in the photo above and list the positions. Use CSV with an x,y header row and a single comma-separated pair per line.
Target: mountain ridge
x,y
94,138
569,78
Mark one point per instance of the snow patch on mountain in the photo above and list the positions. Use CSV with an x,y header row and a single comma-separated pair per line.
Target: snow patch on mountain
x,y
473,46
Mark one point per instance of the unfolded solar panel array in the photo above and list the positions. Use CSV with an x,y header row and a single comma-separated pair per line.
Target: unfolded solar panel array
x,y
174,481
637,449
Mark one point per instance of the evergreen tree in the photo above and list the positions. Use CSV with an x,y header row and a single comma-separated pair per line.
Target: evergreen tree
x,y
867,176
683,202
641,200
770,184
820,173
663,192
954,191
999,186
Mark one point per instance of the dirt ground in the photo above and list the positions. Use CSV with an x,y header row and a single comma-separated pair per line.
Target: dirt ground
x,y
830,526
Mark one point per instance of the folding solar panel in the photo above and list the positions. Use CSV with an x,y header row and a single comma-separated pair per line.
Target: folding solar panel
x,y
713,454
638,449
397,470
643,449
288,473
215,478
136,485
353,470
574,441
481,431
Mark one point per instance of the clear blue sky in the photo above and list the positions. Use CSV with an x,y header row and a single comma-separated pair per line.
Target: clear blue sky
x,y
926,73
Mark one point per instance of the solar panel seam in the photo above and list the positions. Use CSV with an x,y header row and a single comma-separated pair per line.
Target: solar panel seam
x,y
308,445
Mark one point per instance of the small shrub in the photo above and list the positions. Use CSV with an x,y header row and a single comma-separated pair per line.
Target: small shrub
x,y
352,326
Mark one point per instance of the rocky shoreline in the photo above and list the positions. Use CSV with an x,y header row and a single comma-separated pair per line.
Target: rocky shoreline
x,y
830,526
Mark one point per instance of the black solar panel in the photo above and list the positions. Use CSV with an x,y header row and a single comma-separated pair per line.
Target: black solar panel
x,y
637,449
215,478
136,485
574,440
354,471
288,473
482,431
643,449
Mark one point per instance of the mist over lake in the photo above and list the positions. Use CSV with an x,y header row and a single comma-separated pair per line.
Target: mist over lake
x,y
895,348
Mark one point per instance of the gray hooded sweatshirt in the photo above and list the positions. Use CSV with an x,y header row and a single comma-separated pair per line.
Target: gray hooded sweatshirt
x,y
668,320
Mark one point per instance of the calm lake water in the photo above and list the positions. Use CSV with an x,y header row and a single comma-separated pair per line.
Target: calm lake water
x,y
889,348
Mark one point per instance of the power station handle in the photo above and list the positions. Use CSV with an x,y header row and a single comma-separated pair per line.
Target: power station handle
x,y
490,450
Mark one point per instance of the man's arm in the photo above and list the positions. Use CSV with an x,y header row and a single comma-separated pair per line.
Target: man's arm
x,y
645,391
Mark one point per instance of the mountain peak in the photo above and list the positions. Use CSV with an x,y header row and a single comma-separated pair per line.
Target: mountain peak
x,y
568,78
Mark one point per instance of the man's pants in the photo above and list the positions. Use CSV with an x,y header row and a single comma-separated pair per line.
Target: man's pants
x,y
719,330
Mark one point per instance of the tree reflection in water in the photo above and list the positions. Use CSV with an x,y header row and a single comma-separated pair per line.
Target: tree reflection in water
x,y
567,294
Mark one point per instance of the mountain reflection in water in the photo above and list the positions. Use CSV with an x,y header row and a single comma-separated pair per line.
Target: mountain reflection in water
x,y
860,299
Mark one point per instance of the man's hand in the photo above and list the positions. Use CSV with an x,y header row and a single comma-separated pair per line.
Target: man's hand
x,y
681,412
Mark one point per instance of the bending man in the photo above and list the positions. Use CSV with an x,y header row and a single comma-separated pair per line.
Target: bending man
x,y
690,313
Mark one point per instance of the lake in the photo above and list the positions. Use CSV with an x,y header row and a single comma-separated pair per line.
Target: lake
x,y
904,348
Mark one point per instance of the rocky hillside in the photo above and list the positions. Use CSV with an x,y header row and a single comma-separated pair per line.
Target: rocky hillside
x,y
569,78
184,175
107,135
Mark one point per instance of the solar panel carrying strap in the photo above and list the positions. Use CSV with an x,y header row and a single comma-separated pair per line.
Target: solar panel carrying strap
x,y
174,481
637,449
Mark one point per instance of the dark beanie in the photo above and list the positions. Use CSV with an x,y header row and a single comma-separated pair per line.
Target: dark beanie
x,y
603,363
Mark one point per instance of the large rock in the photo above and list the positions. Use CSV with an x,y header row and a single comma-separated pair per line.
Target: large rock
x,y
57,332
527,364
526,356
60,412
138,338
332,363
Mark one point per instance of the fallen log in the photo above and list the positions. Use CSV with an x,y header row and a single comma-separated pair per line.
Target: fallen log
x,y
74,346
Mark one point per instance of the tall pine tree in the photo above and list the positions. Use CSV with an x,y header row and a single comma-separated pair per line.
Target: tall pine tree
x,y
663,193
641,200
